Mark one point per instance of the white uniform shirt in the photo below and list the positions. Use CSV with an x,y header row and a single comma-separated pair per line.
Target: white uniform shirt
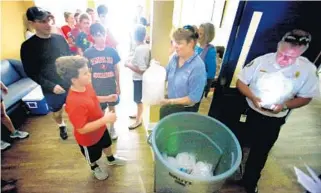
x,y
141,59
276,85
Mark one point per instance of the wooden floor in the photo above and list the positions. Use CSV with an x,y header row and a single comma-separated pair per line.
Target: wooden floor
x,y
45,164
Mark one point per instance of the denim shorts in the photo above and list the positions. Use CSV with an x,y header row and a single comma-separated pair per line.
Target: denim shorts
x,y
138,91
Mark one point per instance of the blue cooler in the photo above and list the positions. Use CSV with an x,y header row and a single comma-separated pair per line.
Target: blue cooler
x,y
36,102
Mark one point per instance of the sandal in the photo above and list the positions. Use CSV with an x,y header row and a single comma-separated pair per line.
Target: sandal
x,y
135,125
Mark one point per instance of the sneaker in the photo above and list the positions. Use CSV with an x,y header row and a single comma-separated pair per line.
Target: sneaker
x,y
63,132
119,161
5,145
10,181
112,133
8,188
100,174
19,134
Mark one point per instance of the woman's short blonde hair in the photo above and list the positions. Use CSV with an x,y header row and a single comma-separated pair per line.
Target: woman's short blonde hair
x,y
185,33
209,32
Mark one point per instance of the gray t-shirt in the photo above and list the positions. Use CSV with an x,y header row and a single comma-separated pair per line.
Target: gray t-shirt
x,y
141,59
103,65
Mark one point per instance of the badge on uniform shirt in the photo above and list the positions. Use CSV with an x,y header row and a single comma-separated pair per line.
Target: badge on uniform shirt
x,y
243,118
297,74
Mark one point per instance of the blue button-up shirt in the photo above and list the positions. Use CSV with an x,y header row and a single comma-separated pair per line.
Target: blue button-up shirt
x,y
187,80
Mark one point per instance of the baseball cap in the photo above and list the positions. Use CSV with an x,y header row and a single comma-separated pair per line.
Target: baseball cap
x,y
37,13
297,37
97,29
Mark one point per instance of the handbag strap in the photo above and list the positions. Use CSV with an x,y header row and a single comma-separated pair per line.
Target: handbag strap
x,y
204,53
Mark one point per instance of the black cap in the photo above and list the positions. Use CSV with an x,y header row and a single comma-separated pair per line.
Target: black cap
x,y
37,13
297,37
97,29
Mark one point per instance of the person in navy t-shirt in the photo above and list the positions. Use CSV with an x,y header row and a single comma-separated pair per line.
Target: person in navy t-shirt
x,y
103,62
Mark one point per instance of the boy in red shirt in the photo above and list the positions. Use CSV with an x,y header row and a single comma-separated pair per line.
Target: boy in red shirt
x,y
85,114
66,29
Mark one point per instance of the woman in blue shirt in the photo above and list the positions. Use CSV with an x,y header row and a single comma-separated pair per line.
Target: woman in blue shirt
x,y
186,74
207,52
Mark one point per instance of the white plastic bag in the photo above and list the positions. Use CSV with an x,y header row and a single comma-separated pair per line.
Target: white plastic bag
x,y
274,88
154,84
310,182
171,160
202,169
186,162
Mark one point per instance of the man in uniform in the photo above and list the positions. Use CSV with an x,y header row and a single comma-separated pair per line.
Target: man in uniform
x,y
273,84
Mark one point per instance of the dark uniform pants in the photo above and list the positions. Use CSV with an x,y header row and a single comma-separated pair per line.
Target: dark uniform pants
x,y
208,86
170,109
262,132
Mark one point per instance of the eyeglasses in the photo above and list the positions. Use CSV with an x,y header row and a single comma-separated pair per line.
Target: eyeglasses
x,y
191,29
299,40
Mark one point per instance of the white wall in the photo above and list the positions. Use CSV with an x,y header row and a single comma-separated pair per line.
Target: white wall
x,y
223,33
195,12
58,7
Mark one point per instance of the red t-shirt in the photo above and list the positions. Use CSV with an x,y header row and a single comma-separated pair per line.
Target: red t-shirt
x,y
83,108
66,29
67,34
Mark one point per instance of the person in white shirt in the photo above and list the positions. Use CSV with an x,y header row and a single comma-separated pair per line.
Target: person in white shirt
x,y
29,31
138,65
29,34
273,84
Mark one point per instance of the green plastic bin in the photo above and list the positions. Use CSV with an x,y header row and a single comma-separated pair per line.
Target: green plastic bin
x,y
210,140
